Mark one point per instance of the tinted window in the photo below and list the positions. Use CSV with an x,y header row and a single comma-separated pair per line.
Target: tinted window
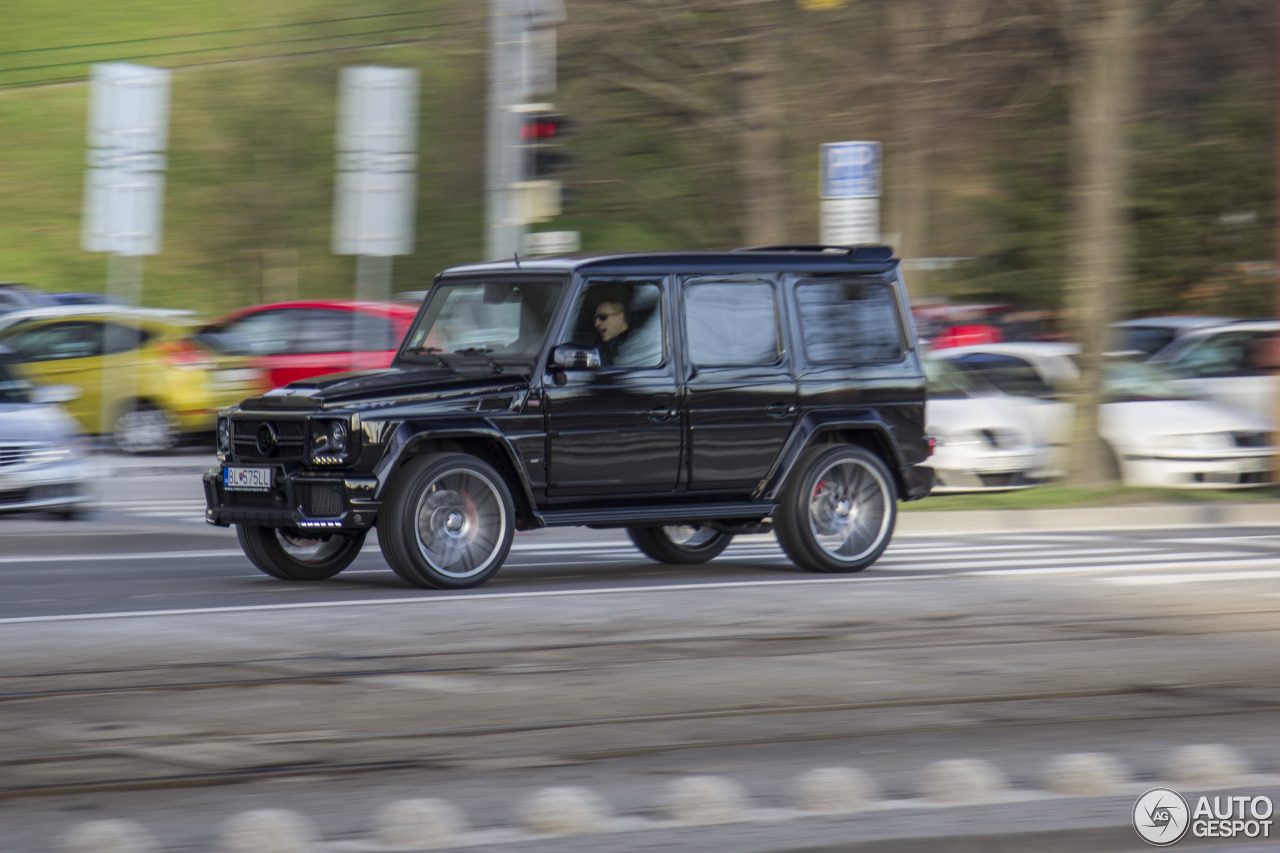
x,y
56,341
12,389
731,324
119,338
263,333
1226,354
1011,375
849,322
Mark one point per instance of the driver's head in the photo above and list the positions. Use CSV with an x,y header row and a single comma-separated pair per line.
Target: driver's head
x,y
610,319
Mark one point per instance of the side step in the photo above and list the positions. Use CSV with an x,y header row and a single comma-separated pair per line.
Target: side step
x,y
653,516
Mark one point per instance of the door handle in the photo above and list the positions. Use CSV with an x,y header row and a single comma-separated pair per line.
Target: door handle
x,y
778,410
663,415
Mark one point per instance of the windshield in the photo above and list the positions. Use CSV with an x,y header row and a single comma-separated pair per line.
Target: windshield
x,y
499,320
1128,381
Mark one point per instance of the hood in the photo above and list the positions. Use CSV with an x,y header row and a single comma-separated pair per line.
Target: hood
x,y
1129,423
31,422
378,386
965,414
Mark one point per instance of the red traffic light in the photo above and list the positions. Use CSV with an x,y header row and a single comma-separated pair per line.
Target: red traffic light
x,y
542,128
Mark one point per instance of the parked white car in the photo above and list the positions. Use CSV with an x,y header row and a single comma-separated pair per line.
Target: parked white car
x,y
44,459
1147,336
1222,363
1159,436
984,438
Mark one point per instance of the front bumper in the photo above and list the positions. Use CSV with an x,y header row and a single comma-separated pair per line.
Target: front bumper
x,y
57,486
919,481
301,500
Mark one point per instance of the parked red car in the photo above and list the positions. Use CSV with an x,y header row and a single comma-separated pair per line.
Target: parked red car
x,y
296,340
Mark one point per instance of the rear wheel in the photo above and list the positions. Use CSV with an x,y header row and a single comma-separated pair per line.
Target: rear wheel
x,y
838,509
680,543
293,555
448,522
143,427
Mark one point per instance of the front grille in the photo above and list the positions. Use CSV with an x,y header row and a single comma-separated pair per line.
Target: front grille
x,y
321,500
276,438
15,496
14,454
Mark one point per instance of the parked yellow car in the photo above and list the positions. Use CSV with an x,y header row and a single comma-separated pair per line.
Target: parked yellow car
x,y
142,379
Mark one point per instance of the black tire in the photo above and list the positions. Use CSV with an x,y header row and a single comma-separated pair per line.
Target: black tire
x,y
448,522
143,427
838,509
680,543
294,555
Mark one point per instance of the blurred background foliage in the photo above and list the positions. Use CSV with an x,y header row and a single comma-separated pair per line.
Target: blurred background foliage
x,y
696,125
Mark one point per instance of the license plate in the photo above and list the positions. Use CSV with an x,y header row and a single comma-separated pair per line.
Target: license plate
x,y
246,479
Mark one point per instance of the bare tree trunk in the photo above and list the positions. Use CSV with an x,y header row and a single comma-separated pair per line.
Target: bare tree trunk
x,y
1100,95
760,110
910,197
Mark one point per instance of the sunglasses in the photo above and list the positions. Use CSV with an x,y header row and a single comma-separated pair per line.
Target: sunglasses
x,y
602,316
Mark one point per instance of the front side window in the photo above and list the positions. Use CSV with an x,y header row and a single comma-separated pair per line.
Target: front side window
x,y
1227,354
500,319
849,322
57,341
732,324
622,319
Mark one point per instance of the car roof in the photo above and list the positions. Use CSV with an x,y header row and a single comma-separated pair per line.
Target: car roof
x,y
1031,349
1175,321
791,257
389,309
174,316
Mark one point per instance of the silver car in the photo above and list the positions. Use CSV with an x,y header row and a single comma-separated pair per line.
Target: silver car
x,y
44,459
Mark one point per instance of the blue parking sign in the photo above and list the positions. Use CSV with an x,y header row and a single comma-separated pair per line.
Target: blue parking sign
x,y
850,169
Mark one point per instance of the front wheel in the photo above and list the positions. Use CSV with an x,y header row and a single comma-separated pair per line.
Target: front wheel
x,y
144,427
449,522
838,509
680,543
292,555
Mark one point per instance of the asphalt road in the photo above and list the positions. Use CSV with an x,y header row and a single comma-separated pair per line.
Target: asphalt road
x,y
152,674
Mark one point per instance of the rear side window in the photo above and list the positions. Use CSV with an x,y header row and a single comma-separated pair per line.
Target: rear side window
x,y
732,324
849,322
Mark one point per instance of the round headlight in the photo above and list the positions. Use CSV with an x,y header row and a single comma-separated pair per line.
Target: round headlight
x,y
337,436
224,435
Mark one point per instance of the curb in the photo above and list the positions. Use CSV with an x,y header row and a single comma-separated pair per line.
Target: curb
x,y
716,815
1154,516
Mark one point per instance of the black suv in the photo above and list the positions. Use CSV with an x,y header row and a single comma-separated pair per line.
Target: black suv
x,y
685,397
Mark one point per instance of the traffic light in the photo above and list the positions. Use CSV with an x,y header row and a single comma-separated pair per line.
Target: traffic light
x,y
542,133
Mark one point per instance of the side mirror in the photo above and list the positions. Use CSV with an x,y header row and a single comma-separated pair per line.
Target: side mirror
x,y
49,395
575,357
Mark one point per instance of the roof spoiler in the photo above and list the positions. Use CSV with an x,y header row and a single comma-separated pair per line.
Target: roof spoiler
x,y
866,254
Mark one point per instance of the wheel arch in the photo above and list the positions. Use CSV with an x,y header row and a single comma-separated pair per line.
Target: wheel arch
x,y
483,442
863,429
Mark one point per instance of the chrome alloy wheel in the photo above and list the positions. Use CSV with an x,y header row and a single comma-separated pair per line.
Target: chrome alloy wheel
x,y
849,510
309,549
689,535
461,523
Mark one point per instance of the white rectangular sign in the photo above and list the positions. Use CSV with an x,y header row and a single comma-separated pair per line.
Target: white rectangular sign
x,y
850,221
375,191
124,182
